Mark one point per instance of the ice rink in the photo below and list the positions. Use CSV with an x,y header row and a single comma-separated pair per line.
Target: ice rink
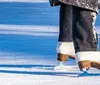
x,y
28,39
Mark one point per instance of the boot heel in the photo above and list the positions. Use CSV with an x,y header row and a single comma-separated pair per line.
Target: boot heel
x,y
62,57
84,65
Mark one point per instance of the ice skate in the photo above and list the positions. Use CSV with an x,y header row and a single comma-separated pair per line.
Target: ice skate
x,y
62,58
84,65
87,60
65,51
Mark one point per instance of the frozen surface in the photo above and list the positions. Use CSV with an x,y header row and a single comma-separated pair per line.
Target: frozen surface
x,y
29,59
28,42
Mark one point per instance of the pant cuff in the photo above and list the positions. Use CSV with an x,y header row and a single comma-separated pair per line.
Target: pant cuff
x,y
66,48
90,55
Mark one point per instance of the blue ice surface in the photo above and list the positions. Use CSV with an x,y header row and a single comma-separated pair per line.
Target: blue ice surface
x,y
30,45
28,14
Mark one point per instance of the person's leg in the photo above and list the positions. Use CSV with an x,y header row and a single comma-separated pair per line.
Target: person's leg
x,y
65,46
85,38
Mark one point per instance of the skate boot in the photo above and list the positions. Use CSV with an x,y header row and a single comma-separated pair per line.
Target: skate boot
x,y
95,65
64,57
86,60
84,65
65,50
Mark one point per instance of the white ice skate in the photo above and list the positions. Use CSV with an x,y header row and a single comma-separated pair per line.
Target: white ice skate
x,y
65,50
86,60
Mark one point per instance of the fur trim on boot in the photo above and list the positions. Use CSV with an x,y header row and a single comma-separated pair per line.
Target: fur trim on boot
x,y
88,59
65,50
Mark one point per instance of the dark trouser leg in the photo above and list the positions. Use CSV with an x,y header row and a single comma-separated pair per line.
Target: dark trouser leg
x,y
65,32
84,34
85,39
65,47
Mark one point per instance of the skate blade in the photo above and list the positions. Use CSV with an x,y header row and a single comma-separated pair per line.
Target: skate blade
x,y
84,73
65,68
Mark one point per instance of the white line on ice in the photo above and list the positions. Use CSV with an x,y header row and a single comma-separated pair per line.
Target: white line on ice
x,y
29,30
